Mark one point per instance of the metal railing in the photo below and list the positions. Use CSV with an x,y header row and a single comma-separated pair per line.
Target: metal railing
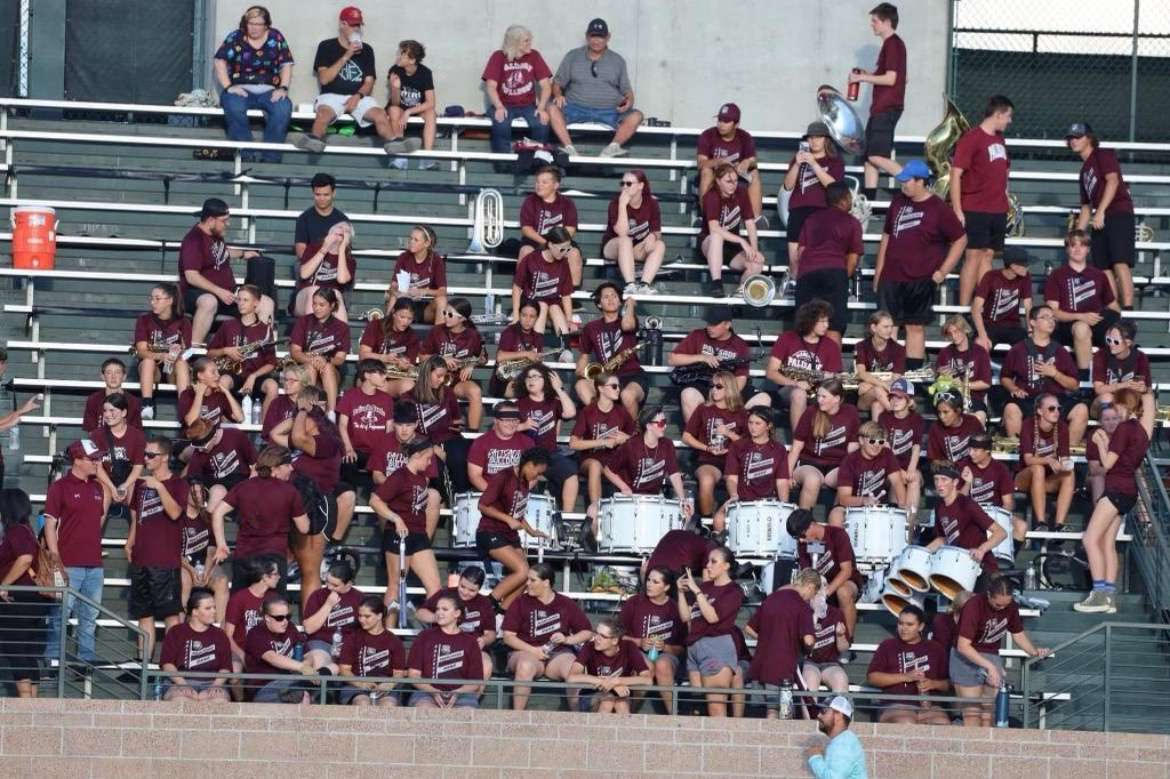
x,y
1150,527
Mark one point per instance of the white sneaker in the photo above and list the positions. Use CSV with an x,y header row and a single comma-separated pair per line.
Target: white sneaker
x,y
613,150
631,288
647,289
570,150
1097,602
148,412
428,165
400,163
565,356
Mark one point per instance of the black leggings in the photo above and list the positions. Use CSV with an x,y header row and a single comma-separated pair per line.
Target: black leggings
x,y
457,449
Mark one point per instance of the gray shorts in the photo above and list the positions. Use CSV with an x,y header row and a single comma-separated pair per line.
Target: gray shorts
x,y
464,700
964,673
711,654
270,692
347,693
319,646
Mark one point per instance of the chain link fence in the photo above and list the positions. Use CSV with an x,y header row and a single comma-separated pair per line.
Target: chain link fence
x,y
1066,60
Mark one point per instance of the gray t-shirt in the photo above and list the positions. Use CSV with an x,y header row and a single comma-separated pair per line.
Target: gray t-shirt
x,y
576,78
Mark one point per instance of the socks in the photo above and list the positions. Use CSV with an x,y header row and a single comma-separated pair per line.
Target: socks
x,y
914,363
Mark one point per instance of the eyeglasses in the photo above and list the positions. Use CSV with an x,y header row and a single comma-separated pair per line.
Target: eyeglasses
x,y
628,183
613,385
278,617
1113,341
597,634
593,69
876,441
658,422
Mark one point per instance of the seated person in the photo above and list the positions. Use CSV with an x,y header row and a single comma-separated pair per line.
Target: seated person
x,y
611,667
207,397
543,405
544,209
161,336
457,341
905,426
602,340
391,340
412,93
327,265
499,448
705,350
727,143
1044,462
320,343
113,374
820,441
711,430
364,413
756,466
811,171
825,640
518,84
251,368
476,611
440,422
270,648
950,435
220,459
999,296
1120,364
802,357
198,646
370,650
544,277
909,664
869,475
245,609
989,482
1082,300
650,623
835,563
523,340
644,463
1037,365
428,274
446,651
724,209
331,616
633,233
962,358
959,521
878,354
601,427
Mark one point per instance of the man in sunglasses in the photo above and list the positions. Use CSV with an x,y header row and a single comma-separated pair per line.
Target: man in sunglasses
x,y
272,648
1039,365
869,475
1082,299
1121,364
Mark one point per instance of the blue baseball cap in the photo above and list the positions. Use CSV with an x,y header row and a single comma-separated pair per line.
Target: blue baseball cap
x,y
914,169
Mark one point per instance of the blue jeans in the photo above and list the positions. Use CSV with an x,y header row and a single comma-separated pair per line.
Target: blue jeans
x,y
87,581
502,131
575,113
277,117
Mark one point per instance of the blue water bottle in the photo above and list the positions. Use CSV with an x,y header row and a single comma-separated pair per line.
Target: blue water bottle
x,y
1002,699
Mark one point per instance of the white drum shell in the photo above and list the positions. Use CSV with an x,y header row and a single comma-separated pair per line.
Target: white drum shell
x,y
636,523
878,533
913,567
540,513
952,569
895,601
758,528
1005,551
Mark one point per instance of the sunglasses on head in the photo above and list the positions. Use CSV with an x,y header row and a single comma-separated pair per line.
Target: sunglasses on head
x,y
451,313
278,617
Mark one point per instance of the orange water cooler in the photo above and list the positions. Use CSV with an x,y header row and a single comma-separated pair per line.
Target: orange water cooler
x,y
34,237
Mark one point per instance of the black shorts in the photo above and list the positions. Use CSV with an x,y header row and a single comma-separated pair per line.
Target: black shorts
x,y
415,542
562,467
640,378
909,302
1028,405
879,133
356,473
229,481
237,381
222,309
796,217
1115,244
154,592
1109,318
486,542
1123,503
830,285
1005,333
985,230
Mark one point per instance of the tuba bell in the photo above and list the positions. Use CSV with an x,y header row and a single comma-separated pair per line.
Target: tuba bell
x,y
487,230
940,142
843,122
759,290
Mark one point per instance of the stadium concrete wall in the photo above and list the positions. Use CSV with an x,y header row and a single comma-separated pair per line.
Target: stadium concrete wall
x,y
76,739
685,57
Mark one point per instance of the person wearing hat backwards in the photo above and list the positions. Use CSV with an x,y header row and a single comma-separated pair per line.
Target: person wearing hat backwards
x,y
1000,294
810,171
842,757
726,142
716,347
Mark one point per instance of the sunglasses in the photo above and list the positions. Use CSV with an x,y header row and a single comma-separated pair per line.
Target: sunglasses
x,y
717,386
614,385
628,183
1113,341
1052,408
877,441
151,454
278,617
451,313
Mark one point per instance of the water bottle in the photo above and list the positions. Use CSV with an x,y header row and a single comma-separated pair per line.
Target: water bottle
x,y
489,303
14,438
299,652
785,700
248,410
200,569
653,653
549,648
335,650
1030,577
1002,700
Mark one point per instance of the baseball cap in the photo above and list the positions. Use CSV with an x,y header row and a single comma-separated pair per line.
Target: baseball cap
x,y
818,128
213,206
597,27
843,705
914,169
84,449
1016,255
405,411
717,313
902,385
728,112
1078,130
979,441
351,15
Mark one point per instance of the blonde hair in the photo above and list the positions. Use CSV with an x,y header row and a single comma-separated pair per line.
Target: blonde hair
x,y
730,389
512,38
807,577
871,429
959,321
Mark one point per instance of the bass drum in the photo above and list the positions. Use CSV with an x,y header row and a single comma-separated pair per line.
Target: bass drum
x,y
757,528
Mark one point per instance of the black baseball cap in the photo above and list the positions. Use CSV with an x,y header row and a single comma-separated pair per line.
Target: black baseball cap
x,y
718,313
405,412
1078,130
213,206
1016,255
979,441
416,446
597,27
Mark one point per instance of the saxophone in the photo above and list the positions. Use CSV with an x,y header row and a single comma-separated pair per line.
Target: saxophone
x,y
228,365
918,375
510,369
1011,445
158,348
610,365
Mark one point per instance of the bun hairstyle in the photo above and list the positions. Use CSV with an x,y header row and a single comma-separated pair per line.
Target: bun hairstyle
x,y
270,458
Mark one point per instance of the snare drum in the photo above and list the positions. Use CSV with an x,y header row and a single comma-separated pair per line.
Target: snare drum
x,y
636,523
895,601
878,533
1005,551
758,528
913,568
952,570
541,513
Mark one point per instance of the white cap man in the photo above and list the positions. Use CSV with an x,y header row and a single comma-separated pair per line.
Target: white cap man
x,y
843,756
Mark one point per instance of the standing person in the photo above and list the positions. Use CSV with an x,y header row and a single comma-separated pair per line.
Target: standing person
x,y
905,426
922,241
446,651
820,441
960,521
345,72
778,625
725,208
879,353
601,427
612,667
1083,302
544,209
518,84
999,296
476,616
113,373
253,67
21,613
320,343
389,455
314,223
1039,364
206,282
428,275
1044,462
978,191
976,667
709,350
843,756
543,405
711,431
75,513
709,610
825,253
412,93
161,336
371,650
592,85
727,143
252,375
1106,205
1110,418
650,622
633,233
317,456
1122,364
835,562
458,343
327,265
196,646
503,512
545,277
756,466
1122,454
603,339
909,664
197,558
499,448
889,95
811,171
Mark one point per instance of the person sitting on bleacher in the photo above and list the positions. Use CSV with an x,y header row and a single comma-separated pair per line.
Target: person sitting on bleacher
x,y
828,248
960,521
811,171
314,223
650,621
878,353
712,430
503,513
1038,365
716,347
371,650
727,143
1001,292
645,463
723,210
612,667
364,413
633,233
412,93
320,343
820,441
1082,299
1122,365
756,466
614,333
446,651
206,282
207,399
330,615
544,277
869,475
1044,462
989,482
518,84
477,615
498,448
521,340
807,350
123,445
391,340
542,210
271,648
113,374
252,375
835,562
905,426
253,67
950,436
197,645
910,664
293,378
826,640
345,70
428,275
326,265
543,404
244,608
962,358
457,341
601,427
221,458
160,337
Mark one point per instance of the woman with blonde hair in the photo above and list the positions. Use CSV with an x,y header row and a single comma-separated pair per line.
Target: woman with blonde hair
x,y
518,83
820,441
428,275
710,432
878,353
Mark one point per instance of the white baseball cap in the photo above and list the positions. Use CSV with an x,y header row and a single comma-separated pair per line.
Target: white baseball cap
x,y
843,705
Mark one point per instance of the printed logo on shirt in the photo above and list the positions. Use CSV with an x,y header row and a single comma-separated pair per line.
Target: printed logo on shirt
x,y
648,471
409,96
517,80
546,220
319,342
446,659
368,417
901,441
724,355
1044,447
281,647
871,482
149,504
545,623
950,527
996,151
655,625
352,72
1115,374
341,616
543,285
544,420
610,342
394,461
729,216
1004,301
418,503
1080,289
195,539
833,439
909,662
907,218
956,446
471,620
429,414
993,630
252,618
824,635
451,348
225,463
983,490
757,467
419,281
501,459
638,230
1089,181
196,653
808,177
804,360
372,659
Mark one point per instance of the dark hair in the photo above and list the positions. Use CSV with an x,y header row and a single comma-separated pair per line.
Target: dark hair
x,y
261,11
252,290
117,400
557,234
313,393
547,392
727,555
213,207
15,507
342,569
668,576
552,170
1126,328
809,314
165,447
197,596
887,12
462,306
422,392
375,604
640,175
918,613
366,367
257,568
544,571
329,295
270,457
171,290
273,598
473,574
764,413
999,585
527,302
536,456
602,287
402,304
798,522
323,180
837,192
455,602
1035,312
415,50
647,414
997,104
106,363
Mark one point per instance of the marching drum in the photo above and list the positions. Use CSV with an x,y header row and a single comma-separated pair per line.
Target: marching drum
x,y
952,570
757,528
878,533
541,514
636,523
895,601
1005,551
913,568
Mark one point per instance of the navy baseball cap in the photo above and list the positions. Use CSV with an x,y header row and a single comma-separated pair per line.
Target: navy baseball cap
x,y
914,169
1078,130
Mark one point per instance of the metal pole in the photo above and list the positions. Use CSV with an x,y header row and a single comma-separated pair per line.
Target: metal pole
x,y
1108,658
61,644
1133,72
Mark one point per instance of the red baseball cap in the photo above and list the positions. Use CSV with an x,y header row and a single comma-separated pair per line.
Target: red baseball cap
x,y
728,112
84,449
351,15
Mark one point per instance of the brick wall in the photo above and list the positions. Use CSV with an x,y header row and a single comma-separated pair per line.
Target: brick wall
x,y
76,739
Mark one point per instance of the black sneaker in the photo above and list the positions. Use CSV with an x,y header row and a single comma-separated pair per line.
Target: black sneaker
x,y
714,288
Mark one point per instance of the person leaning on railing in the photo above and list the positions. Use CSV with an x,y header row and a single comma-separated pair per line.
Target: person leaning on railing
x,y
273,647
22,614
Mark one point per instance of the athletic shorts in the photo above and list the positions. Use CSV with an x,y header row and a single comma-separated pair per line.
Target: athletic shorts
x,y
1115,243
336,103
964,673
1109,318
222,309
711,654
640,378
1005,333
464,700
237,381
879,133
796,217
154,592
415,542
731,250
985,230
1122,502
909,302
489,540
830,285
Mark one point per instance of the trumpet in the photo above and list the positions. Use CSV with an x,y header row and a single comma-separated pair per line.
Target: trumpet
x,y
609,366
487,231
918,374
510,369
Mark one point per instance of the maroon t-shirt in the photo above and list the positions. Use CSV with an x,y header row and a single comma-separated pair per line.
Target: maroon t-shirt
x,y
265,508
479,616
795,352
1130,442
546,416
234,333
428,273
370,655
244,612
645,469
592,424
642,618
601,340
438,655
835,551
824,635
158,539
91,418
261,640
895,656
809,192
215,407
642,222
730,212
541,280
516,79
1036,442
281,408
985,627
1079,292
542,216
79,509
494,454
535,622
405,344
129,448
702,426
891,358
944,631
325,276
905,434
826,236
1092,182
984,159
951,443
443,341
202,651
714,146
779,624
976,362
210,256
515,339
964,523
891,57
758,466
508,493
196,536
920,232
680,549
1002,297
731,348
367,416
868,477
18,542
1020,361
627,661
1111,370
160,335
405,493
323,467
828,450
343,615
232,457
435,419
327,338
989,484
726,600
386,457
